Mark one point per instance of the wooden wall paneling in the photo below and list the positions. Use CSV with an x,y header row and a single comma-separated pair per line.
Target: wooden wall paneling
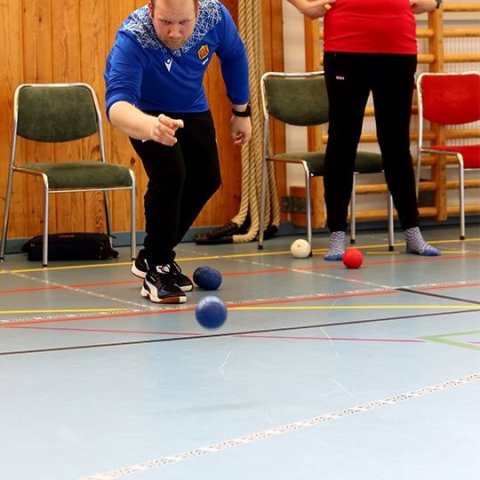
x,y
37,57
226,201
118,147
313,62
11,74
66,67
54,40
92,18
274,61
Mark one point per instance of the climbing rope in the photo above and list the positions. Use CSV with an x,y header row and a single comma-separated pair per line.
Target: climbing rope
x,y
250,27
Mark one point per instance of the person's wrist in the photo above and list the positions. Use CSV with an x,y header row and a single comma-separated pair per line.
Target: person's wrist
x,y
245,113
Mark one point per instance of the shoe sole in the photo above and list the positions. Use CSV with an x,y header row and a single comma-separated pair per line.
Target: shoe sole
x,y
146,294
138,273
186,288
141,274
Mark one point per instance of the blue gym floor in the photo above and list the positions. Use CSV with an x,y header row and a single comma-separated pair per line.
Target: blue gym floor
x,y
319,372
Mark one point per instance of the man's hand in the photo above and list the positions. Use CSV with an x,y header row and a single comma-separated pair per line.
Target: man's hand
x,y
164,129
137,124
241,130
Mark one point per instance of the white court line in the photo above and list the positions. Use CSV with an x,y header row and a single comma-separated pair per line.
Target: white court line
x,y
143,306
281,430
148,309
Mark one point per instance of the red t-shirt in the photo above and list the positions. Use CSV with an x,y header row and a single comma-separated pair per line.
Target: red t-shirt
x,y
370,26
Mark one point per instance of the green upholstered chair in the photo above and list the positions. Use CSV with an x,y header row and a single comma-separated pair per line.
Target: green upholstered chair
x,y
300,99
58,112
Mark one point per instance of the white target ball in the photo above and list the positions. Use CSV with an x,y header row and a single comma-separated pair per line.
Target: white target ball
x,y
300,248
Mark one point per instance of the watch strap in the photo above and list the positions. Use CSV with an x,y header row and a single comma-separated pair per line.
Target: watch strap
x,y
246,113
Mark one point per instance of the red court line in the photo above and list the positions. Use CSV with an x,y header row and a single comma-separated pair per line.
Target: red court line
x,y
367,262
66,287
110,330
171,310
126,282
278,301
332,266
396,261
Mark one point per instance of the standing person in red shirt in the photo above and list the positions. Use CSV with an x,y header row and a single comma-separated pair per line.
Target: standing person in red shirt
x,y
370,46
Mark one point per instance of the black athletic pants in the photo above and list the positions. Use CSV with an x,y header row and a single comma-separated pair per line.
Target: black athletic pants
x,y
181,179
350,78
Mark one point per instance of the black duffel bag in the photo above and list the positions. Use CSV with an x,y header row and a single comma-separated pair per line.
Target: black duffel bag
x,y
71,246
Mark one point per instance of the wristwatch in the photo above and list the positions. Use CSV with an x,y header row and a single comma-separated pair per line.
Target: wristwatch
x,y
439,2
246,113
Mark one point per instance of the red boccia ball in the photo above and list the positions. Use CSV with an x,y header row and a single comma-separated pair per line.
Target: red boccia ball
x,y
352,258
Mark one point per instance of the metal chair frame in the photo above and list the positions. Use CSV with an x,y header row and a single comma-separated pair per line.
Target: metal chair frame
x,y
47,190
269,157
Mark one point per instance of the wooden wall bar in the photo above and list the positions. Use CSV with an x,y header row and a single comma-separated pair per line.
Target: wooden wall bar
x,y
67,41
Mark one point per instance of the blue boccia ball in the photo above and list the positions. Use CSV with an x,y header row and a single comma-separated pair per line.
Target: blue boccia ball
x,y
207,278
211,312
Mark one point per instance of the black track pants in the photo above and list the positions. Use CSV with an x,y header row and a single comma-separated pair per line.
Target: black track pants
x,y
181,179
350,78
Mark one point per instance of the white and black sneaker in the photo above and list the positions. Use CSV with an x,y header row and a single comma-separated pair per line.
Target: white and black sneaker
x,y
160,286
140,268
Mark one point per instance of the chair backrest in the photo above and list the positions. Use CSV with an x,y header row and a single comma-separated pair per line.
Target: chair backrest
x,y
449,98
55,112
295,98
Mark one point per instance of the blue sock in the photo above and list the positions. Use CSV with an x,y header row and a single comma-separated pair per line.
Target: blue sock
x,y
417,245
336,246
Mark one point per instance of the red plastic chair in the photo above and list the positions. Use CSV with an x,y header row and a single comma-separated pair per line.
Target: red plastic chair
x,y
449,99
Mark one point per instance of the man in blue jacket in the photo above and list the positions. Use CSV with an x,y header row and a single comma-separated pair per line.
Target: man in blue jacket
x,y
155,95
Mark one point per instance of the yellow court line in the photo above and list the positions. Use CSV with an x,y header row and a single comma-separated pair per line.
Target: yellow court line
x,y
457,252
380,252
64,310
124,264
356,307
66,267
258,253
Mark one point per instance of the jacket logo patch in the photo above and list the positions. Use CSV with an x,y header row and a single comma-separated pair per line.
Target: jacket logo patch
x,y
203,52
